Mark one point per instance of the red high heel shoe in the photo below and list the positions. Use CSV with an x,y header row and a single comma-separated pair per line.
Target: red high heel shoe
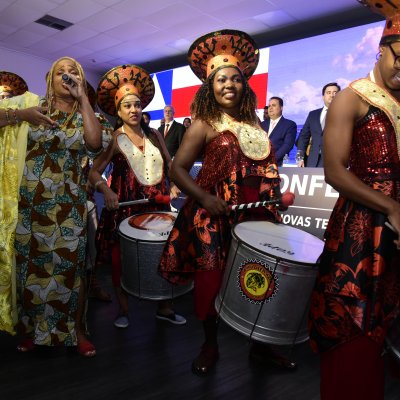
x,y
86,348
26,345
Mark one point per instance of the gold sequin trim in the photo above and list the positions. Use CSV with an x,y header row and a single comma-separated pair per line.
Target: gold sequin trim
x,y
379,97
253,140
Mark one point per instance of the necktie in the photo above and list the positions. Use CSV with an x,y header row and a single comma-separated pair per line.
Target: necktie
x,y
323,119
272,124
166,129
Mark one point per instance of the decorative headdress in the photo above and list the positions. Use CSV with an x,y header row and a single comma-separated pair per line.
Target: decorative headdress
x,y
391,11
121,81
12,83
226,48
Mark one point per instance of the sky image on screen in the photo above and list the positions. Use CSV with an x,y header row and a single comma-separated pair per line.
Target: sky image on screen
x,y
295,71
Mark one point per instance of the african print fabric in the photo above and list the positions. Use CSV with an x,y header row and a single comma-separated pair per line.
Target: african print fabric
x,y
125,183
51,231
358,285
201,242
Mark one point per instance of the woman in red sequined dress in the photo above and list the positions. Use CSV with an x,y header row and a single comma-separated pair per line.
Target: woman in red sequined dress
x,y
238,167
357,293
140,163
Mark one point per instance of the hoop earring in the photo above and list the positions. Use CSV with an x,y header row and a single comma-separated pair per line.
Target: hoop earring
x,y
378,56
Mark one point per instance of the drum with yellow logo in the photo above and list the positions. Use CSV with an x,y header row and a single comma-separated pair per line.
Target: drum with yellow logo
x,y
270,273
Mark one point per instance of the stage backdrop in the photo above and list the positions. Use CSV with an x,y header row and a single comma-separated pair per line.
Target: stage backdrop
x,y
178,87
295,71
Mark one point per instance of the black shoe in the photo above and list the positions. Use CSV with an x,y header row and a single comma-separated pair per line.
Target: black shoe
x,y
266,356
206,360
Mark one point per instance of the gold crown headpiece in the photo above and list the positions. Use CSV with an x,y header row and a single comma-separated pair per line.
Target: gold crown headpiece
x,y
390,9
226,48
121,81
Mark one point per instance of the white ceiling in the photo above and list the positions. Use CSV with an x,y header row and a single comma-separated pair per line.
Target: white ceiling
x,y
156,34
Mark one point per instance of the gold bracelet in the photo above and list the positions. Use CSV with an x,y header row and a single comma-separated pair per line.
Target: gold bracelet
x,y
7,114
98,183
16,119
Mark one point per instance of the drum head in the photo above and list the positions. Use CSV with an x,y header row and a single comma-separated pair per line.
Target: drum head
x,y
148,226
280,241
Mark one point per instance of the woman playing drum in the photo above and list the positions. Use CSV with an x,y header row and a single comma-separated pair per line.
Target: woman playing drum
x,y
239,167
125,91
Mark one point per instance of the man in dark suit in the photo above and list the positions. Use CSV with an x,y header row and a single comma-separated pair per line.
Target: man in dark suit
x,y
313,129
281,131
171,130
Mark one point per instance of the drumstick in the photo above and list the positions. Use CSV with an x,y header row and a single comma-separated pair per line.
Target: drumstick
x,y
286,200
390,226
159,199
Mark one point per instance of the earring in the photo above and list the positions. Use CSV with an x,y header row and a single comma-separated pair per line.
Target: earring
x,y
378,56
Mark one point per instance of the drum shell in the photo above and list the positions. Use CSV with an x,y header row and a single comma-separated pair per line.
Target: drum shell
x,y
140,259
91,235
280,319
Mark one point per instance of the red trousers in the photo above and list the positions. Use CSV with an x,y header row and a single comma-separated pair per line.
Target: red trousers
x,y
208,283
206,288
352,371
116,266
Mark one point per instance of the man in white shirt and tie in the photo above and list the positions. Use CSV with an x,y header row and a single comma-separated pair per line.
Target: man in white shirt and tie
x,y
171,130
281,131
313,129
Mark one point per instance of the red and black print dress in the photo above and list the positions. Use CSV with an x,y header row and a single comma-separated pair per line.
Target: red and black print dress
x,y
129,185
358,285
199,241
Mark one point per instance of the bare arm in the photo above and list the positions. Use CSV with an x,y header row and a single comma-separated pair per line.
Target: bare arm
x,y
347,108
33,115
95,174
194,140
91,126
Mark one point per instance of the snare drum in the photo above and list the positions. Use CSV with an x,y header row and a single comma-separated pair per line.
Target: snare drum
x,y
142,240
270,273
91,234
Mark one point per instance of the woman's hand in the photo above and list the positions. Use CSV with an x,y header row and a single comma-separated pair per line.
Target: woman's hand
x,y
174,191
36,116
76,89
214,205
110,199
